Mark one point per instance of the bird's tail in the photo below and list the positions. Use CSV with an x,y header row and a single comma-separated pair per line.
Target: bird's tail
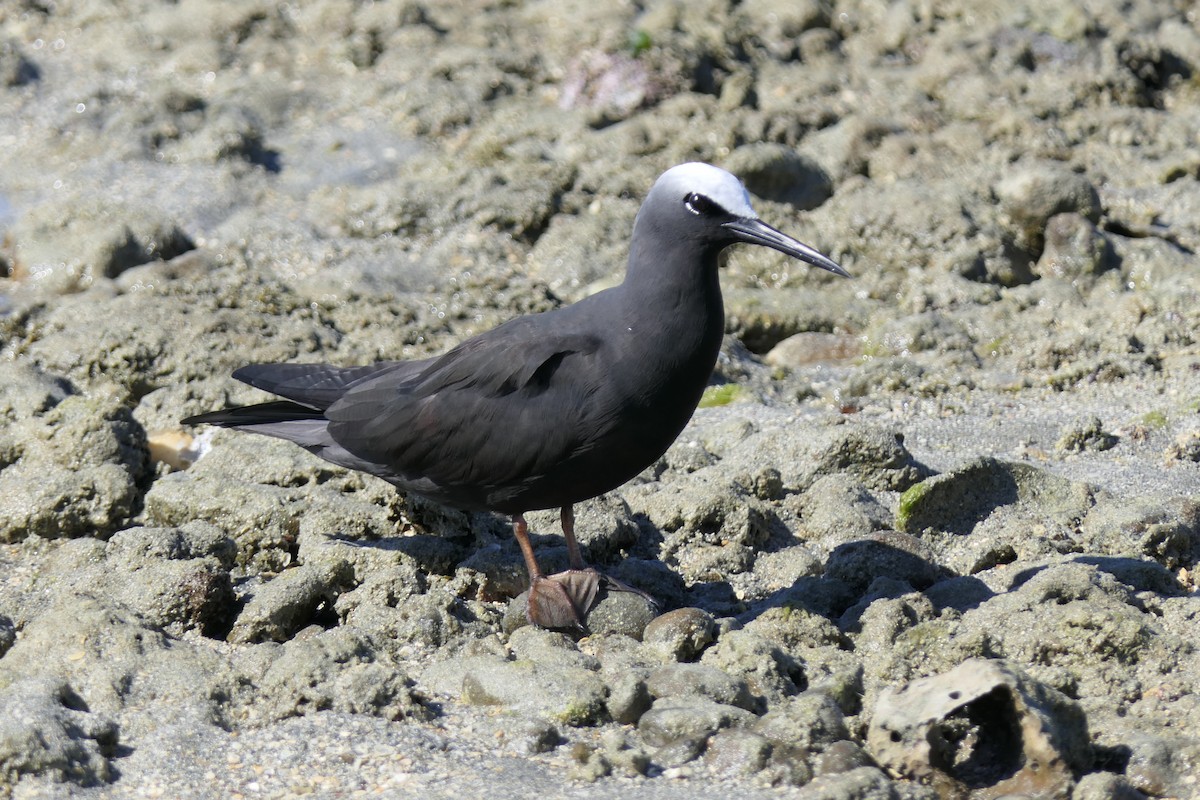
x,y
260,414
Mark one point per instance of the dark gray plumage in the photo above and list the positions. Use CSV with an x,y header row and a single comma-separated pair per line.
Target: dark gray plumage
x,y
547,410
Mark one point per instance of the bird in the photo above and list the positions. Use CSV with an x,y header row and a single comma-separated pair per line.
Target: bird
x,y
546,410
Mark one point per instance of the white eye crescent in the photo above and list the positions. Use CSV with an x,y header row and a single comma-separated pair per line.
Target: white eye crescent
x,y
700,205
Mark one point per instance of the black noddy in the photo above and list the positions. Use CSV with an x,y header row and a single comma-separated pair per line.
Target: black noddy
x,y
546,410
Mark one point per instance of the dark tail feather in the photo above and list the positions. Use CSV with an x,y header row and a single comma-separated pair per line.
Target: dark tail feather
x,y
261,414
316,385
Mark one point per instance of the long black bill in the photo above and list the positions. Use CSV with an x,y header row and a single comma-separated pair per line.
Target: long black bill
x,y
755,231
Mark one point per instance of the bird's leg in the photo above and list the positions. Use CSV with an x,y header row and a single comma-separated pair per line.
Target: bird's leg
x,y
552,602
567,516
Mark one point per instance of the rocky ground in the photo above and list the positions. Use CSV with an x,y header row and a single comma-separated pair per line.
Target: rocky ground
x,y
935,532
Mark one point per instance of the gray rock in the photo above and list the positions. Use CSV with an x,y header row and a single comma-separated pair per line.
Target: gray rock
x,y
812,347
72,467
811,722
1085,434
562,694
984,724
8,634
175,595
841,756
46,729
781,569
1030,194
194,540
744,753
625,666
680,751
286,603
889,554
625,613
839,506
1161,766
868,783
96,239
875,456
526,736
707,509
339,670
549,649
628,696
1105,786
125,669
681,634
398,616
1164,529
771,673
1075,250
776,172
624,752
1186,447
957,501
888,609
673,719
700,680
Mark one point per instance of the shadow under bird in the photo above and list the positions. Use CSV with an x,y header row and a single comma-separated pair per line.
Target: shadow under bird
x,y
546,410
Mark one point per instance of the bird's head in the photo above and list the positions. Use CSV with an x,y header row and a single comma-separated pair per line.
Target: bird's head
x,y
709,206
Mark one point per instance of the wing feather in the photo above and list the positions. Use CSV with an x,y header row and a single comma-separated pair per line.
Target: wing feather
x,y
481,416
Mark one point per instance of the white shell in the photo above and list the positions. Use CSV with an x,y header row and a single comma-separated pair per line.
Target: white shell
x,y
716,184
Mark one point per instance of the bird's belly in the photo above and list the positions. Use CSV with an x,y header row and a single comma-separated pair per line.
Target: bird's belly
x,y
610,460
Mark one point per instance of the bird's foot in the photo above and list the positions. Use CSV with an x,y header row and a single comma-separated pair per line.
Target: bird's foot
x,y
563,600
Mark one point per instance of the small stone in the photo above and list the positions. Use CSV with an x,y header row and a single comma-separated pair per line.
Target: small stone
x,y
743,753
810,721
286,603
671,719
1186,447
680,635
812,347
680,751
1075,249
617,612
771,673
1105,786
549,648
891,554
628,697
737,752
1085,434
700,680
841,756
1030,194
563,694
527,736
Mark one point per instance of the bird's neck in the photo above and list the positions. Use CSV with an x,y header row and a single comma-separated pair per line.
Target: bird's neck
x,y
674,298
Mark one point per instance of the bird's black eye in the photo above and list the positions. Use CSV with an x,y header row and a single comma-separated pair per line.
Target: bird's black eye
x,y
700,205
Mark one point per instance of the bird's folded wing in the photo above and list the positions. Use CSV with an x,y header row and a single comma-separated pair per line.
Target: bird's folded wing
x,y
316,385
491,412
